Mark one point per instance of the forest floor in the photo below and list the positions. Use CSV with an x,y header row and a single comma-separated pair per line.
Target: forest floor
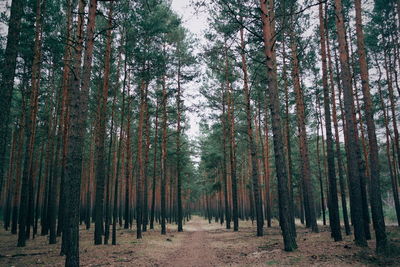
x,y
202,244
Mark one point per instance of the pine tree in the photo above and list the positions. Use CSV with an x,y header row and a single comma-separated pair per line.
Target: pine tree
x,y
7,80
333,200
285,213
352,158
100,138
26,202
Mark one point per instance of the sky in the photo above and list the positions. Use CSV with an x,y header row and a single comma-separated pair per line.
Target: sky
x,y
195,24
3,27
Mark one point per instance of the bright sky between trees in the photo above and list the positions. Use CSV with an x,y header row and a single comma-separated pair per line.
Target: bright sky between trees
x,y
195,23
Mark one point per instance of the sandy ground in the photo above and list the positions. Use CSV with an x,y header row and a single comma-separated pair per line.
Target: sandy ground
x,y
202,244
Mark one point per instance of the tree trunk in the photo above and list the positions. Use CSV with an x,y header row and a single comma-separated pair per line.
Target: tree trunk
x,y
140,178
145,216
224,134
355,189
18,165
73,168
164,155
321,187
362,162
178,149
308,193
116,186
86,73
232,152
27,177
375,189
10,180
153,191
392,108
228,121
267,170
101,135
252,145
287,134
128,163
111,152
7,82
339,159
391,162
285,207
333,202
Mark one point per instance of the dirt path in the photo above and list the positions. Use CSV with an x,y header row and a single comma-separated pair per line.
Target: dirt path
x,y
195,249
201,244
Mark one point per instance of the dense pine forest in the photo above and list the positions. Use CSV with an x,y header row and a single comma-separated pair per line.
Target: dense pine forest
x,y
271,138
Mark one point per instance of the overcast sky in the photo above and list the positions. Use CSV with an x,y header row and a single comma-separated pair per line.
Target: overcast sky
x,y
196,24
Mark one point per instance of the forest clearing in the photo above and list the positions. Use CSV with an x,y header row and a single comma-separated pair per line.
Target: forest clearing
x,y
203,244
199,132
